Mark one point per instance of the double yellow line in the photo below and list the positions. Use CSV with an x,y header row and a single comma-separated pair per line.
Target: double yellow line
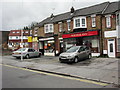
x,y
56,75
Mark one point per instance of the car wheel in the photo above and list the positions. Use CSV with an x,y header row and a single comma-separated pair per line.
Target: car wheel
x,y
27,56
39,55
76,59
89,56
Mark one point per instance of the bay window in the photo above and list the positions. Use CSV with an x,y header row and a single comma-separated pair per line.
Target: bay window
x,y
48,28
80,22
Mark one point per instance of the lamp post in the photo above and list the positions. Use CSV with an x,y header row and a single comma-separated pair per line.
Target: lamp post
x,y
21,45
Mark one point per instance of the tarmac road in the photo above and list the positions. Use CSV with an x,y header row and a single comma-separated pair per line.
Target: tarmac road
x,y
13,77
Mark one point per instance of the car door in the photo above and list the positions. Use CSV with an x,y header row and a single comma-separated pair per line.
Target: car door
x,y
30,52
81,53
35,53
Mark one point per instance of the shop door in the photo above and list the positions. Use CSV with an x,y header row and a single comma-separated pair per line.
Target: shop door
x,y
111,48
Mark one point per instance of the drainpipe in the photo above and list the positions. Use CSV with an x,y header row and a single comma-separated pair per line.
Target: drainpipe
x,y
102,32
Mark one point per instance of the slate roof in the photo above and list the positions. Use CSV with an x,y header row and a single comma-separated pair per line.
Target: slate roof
x,y
95,9
112,7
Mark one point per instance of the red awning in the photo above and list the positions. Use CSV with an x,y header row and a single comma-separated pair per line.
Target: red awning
x,y
80,34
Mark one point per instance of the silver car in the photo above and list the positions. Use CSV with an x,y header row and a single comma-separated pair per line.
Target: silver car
x,y
75,53
26,53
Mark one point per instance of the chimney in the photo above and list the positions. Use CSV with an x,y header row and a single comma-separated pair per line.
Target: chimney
x,y
72,10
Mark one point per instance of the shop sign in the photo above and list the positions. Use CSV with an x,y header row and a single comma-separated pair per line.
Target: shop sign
x,y
30,39
81,34
35,39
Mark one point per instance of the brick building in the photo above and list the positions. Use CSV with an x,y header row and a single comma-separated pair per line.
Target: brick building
x,y
14,41
86,26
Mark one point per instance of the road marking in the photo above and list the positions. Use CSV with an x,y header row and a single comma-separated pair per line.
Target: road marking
x,y
66,77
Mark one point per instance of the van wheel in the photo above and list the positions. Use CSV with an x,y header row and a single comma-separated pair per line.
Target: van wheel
x,y
27,56
76,59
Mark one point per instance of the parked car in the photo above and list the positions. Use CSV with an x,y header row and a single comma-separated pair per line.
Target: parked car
x,y
75,54
26,53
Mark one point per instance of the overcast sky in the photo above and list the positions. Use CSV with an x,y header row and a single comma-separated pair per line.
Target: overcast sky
x,y
15,14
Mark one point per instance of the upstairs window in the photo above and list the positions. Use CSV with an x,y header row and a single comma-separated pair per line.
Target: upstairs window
x,y
48,28
118,19
108,21
83,22
35,31
77,23
93,22
13,32
60,26
68,24
18,32
80,22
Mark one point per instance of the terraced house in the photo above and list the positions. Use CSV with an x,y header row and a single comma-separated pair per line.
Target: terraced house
x,y
95,26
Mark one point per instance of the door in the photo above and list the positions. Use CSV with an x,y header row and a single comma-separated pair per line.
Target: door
x,y
111,47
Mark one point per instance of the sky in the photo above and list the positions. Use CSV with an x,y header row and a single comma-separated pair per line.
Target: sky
x,y
15,14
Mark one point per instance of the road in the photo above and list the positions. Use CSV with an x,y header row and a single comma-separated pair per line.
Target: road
x,y
14,77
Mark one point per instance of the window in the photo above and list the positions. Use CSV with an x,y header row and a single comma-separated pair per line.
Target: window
x,y
68,24
60,26
48,28
18,32
13,32
26,32
80,22
111,47
35,31
108,22
51,28
93,22
118,21
77,22
83,22
16,37
118,44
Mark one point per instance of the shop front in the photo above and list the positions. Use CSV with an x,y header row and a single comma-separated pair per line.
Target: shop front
x,y
46,46
88,38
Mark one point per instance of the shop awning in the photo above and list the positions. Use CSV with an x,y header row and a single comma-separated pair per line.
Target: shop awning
x,y
80,34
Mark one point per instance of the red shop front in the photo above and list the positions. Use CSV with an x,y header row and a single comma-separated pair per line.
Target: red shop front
x,y
89,38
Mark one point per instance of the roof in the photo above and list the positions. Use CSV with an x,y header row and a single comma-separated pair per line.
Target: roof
x,y
95,9
112,7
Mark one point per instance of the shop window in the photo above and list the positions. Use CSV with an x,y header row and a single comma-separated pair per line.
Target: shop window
x,y
94,43
108,22
93,22
111,47
49,47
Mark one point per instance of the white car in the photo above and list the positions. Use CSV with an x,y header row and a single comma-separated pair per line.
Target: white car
x,y
26,53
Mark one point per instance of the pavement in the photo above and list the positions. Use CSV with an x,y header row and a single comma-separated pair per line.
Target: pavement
x,y
98,69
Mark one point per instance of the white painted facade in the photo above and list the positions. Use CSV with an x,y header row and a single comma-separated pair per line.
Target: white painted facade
x,y
17,37
108,34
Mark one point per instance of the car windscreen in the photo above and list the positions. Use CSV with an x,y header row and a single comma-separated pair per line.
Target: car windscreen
x,y
73,49
21,49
